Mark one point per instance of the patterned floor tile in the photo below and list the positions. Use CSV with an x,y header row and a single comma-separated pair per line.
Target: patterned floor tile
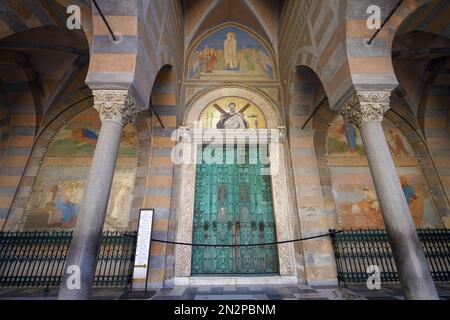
x,y
300,292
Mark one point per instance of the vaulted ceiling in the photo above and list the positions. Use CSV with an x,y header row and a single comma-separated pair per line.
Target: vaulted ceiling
x,y
258,15
21,15
41,61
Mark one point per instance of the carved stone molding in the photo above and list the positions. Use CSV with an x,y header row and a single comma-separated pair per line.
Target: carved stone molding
x,y
115,105
183,254
286,252
223,136
367,106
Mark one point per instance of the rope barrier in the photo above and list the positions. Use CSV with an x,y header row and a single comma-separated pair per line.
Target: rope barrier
x,y
330,233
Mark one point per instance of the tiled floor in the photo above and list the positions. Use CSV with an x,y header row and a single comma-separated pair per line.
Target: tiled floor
x,y
298,292
239,293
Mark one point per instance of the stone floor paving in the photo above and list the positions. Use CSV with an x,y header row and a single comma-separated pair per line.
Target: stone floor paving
x,y
260,292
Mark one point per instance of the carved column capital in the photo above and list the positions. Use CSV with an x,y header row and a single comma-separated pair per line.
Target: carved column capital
x,y
115,105
367,106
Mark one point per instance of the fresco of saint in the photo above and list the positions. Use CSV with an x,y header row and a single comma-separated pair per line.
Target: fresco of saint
x,y
120,201
68,204
350,135
231,53
353,184
208,60
408,190
395,143
345,139
58,192
79,137
230,49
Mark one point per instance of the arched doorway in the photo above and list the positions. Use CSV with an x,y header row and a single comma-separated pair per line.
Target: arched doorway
x,y
233,193
233,200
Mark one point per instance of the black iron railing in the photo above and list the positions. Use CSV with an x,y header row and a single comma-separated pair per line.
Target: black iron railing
x,y
355,251
36,259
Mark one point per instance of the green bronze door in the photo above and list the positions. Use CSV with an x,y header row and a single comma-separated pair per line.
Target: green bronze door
x,y
233,206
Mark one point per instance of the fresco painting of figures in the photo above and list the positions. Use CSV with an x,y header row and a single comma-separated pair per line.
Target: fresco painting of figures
x,y
58,193
357,201
353,188
79,137
231,54
59,188
345,139
56,198
120,200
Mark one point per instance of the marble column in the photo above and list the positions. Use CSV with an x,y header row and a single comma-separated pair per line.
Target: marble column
x,y
366,110
116,109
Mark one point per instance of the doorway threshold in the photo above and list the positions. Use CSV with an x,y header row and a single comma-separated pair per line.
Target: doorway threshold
x,y
217,280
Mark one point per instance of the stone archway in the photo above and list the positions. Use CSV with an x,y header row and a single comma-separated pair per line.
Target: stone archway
x,y
281,209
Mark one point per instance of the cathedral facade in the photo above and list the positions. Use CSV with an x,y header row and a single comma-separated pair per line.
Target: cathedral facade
x,y
239,122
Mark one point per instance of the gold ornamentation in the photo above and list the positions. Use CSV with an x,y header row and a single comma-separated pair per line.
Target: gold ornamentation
x,y
197,104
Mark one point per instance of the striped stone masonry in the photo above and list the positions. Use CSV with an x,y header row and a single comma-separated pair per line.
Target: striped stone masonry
x,y
157,193
319,264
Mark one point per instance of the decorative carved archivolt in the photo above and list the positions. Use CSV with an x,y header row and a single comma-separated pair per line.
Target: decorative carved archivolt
x,y
202,99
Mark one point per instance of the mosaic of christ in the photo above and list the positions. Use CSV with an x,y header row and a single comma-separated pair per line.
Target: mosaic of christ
x,y
231,53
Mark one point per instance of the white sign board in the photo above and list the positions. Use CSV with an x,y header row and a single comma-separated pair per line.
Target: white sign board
x,y
143,249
